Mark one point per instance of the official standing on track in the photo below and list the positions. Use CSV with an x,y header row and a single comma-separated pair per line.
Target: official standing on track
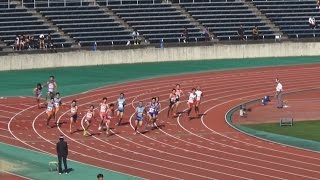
x,y
279,93
62,152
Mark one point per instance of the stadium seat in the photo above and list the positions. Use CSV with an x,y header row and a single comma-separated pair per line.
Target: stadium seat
x,y
291,16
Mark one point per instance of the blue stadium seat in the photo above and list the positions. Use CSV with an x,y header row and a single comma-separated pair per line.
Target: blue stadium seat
x,y
224,18
88,24
158,21
292,16
18,21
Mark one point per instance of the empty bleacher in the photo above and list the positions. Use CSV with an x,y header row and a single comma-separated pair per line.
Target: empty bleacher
x,y
157,21
224,18
291,16
19,21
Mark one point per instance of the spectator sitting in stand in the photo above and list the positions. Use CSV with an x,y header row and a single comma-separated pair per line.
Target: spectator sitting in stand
x,y
318,4
135,36
312,22
31,42
206,34
241,33
22,42
255,33
185,35
50,44
17,43
41,41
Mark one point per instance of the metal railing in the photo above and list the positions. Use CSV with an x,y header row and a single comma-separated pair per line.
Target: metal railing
x,y
67,3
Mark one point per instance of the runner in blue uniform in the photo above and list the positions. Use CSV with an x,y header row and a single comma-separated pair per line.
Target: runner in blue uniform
x,y
121,102
157,111
151,112
57,104
50,111
140,112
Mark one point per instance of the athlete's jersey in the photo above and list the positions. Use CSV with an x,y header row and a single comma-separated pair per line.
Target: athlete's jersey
x,y
199,94
50,107
38,91
110,114
157,107
51,86
103,107
121,102
57,102
140,111
178,93
152,107
192,98
89,115
74,109
173,98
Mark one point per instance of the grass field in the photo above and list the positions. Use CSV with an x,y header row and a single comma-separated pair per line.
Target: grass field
x,y
302,129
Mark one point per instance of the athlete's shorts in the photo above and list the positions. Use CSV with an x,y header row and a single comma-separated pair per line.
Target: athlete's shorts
x,y
86,120
190,104
171,102
152,114
57,108
120,109
177,99
50,94
198,102
103,115
38,95
49,113
74,117
139,118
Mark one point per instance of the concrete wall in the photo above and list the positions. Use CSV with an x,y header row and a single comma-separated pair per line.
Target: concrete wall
x,y
219,51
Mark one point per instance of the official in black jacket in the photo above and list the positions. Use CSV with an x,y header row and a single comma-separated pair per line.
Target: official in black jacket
x,y
62,152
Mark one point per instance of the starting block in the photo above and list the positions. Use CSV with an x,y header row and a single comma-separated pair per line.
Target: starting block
x,y
53,166
286,121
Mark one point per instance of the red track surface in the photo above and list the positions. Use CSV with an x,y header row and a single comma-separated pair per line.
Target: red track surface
x,y
203,148
11,176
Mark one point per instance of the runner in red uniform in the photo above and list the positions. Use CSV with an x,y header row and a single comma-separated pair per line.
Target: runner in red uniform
x,y
50,111
110,116
88,120
191,101
38,93
103,114
73,114
172,101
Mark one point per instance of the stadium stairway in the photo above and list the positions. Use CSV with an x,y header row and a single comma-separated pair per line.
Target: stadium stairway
x,y
192,20
265,19
292,16
156,20
224,18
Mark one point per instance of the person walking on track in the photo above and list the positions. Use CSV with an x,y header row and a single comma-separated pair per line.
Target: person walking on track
x,y
279,91
62,152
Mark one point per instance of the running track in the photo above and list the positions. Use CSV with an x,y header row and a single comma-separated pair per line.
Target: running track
x,y
203,148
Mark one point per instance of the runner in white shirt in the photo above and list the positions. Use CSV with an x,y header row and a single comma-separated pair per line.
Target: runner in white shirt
x,y
52,87
191,101
198,100
179,94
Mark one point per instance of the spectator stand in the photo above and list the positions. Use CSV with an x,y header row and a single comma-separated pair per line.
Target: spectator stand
x,y
291,16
